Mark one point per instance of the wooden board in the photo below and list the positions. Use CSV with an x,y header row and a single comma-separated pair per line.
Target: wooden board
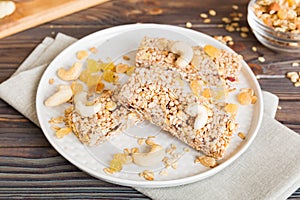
x,y
31,13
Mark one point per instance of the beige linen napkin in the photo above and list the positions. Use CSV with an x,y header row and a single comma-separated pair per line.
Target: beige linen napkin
x,y
269,169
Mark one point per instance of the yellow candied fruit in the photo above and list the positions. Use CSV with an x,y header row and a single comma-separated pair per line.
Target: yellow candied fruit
x,y
206,93
93,80
245,98
117,162
93,66
196,87
82,54
84,76
110,76
130,70
76,87
63,132
212,51
231,108
107,66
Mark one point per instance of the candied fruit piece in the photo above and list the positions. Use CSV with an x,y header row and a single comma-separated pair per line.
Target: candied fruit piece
x,y
245,98
93,65
196,87
206,93
231,108
76,87
107,66
211,51
93,80
110,76
85,74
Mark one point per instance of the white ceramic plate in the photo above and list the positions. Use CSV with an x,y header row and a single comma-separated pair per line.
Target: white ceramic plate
x,y
114,43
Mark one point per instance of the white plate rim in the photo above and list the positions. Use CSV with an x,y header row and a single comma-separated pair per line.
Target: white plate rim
x,y
153,184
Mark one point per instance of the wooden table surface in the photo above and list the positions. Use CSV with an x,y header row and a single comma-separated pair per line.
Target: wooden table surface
x,y
30,167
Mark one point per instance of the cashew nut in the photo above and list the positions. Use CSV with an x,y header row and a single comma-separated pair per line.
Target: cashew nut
x,y
193,109
185,52
81,107
201,118
63,94
151,158
71,74
6,8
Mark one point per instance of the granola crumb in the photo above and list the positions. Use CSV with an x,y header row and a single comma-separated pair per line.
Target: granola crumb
x,y
163,172
148,175
261,59
279,108
241,135
212,12
140,141
254,49
93,49
186,149
189,25
295,64
207,21
244,35
51,81
235,7
203,15
126,58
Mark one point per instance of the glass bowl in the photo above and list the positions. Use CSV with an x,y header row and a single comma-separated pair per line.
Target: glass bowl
x,y
275,40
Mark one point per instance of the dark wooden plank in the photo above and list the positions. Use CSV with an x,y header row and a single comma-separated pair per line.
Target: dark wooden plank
x,y
31,168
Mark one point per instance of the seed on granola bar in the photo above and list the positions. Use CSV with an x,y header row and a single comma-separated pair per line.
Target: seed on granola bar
x,y
211,51
111,105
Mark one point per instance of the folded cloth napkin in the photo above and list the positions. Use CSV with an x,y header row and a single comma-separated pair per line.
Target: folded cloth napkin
x,y
269,169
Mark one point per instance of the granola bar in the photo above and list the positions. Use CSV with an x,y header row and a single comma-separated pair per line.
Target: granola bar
x,y
225,65
167,100
110,120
